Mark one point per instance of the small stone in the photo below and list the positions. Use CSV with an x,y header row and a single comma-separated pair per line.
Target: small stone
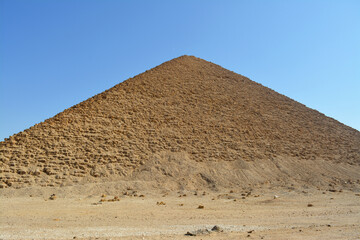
x,y
21,171
36,172
190,234
198,232
216,228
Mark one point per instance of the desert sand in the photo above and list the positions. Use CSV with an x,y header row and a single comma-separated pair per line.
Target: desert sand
x,y
264,213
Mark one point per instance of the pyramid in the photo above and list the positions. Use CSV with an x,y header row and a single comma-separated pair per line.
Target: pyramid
x,y
186,121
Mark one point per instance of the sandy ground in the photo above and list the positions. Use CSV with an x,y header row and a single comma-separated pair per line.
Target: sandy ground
x,y
334,215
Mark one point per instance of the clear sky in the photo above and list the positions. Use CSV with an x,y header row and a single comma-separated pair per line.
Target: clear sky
x,y
57,53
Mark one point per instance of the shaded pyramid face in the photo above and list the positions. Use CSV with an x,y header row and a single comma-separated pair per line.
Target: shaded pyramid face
x,y
189,108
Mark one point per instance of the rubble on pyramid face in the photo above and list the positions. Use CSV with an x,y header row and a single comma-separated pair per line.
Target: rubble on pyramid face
x,y
186,105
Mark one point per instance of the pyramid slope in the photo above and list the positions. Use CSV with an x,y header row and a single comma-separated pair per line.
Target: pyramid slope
x,y
185,107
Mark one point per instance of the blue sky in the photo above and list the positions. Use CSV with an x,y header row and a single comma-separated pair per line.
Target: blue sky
x,y
55,54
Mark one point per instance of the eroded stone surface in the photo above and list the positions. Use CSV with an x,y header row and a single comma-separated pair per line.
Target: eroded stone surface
x,y
186,105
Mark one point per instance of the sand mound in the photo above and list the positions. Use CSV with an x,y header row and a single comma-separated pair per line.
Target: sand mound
x,y
185,123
